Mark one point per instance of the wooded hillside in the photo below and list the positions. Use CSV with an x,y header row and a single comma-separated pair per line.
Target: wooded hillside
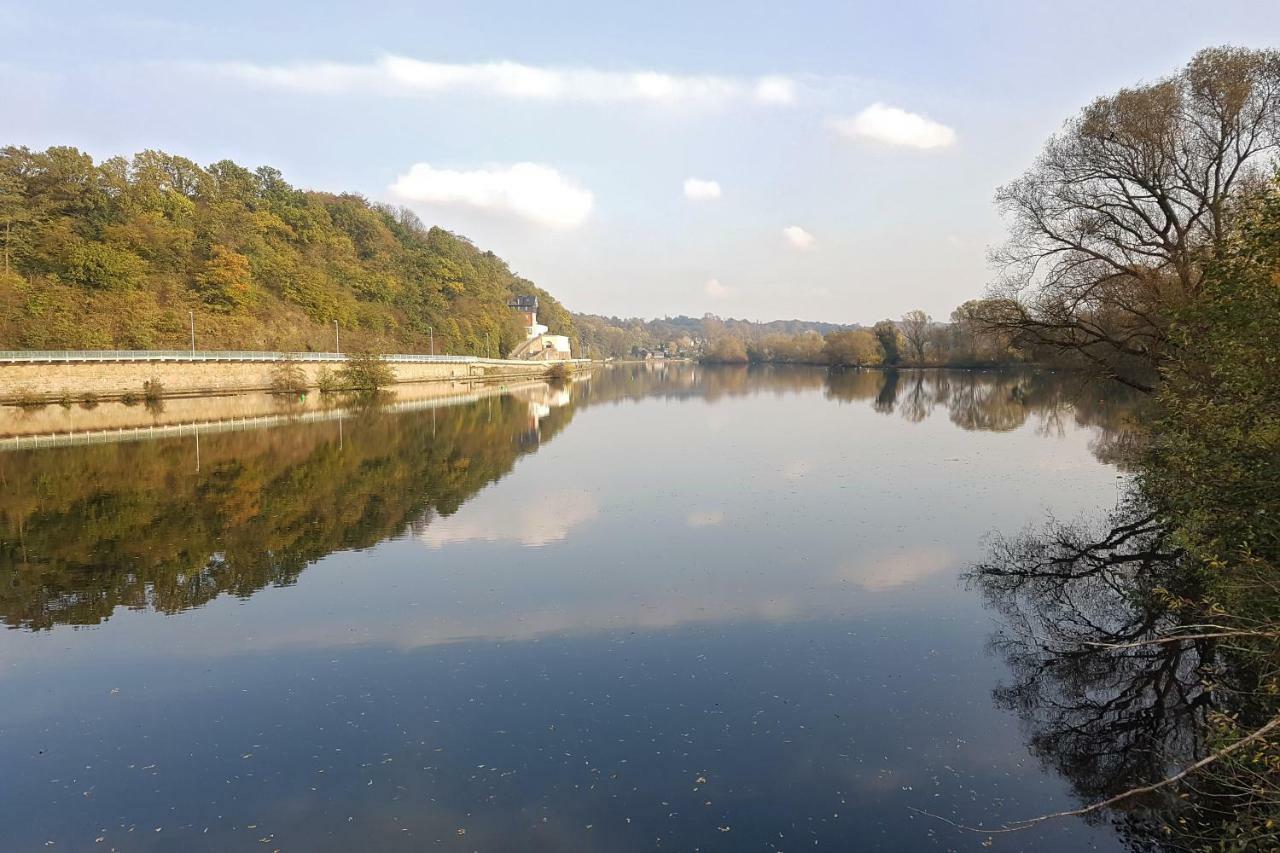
x,y
115,255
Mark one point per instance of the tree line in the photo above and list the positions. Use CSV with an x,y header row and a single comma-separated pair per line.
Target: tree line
x,y
915,340
130,253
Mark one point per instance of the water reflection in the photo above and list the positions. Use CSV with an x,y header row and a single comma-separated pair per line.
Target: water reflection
x,y
172,524
169,525
1106,707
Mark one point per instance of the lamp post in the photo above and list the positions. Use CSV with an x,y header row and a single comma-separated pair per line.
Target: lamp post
x,y
337,347
431,336
193,333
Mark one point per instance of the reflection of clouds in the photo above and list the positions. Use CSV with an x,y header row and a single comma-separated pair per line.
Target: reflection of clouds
x,y
546,517
889,571
710,518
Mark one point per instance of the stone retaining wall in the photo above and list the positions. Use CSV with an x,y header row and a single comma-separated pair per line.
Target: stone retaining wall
x,y
110,380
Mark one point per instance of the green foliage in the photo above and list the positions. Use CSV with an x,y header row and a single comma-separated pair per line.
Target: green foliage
x,y
1212,468
365,371
1215,452
104,267
887,334
115,254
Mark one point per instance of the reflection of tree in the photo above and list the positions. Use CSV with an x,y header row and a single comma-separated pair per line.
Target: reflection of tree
x,y
887,396
1106,707
996,400
84,530
848,386
919,399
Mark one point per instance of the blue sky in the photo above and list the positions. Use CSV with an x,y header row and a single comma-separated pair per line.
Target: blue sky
x,y
843,156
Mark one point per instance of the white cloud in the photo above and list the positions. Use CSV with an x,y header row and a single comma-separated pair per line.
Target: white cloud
x,y
533,523
529,190
776,90
798,237
893,126
403,76
716,290
697,189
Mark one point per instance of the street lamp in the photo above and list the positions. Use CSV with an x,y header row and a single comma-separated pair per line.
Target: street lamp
x,y
431,336
193,333
337,348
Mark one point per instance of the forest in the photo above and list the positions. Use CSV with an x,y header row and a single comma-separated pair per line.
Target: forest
x,y
130,253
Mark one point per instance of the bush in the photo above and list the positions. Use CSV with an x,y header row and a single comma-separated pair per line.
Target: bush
x,y
288,377
89,400
152,390
65,400
129,398
366,371
327,381
558,374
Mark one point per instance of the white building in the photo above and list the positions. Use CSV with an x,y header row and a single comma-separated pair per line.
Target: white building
x,y
538,345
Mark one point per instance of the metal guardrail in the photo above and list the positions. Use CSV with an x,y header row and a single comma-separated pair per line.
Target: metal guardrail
x,y
59,356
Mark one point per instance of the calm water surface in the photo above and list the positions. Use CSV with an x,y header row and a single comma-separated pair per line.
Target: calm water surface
x,y
674,608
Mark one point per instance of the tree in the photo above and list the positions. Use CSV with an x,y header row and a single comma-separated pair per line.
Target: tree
x,y
915,330
226,281
853,348
14,214
727,350
1112,227
365,371
887,334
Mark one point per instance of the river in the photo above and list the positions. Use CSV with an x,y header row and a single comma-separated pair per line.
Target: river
x,y
663,607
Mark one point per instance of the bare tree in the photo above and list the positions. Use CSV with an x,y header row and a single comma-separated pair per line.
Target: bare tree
x,y
915,327
1111,229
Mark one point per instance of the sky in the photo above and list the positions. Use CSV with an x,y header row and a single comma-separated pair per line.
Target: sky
x,y
820,161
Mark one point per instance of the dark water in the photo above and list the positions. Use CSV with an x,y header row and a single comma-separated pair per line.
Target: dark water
x,y
675,609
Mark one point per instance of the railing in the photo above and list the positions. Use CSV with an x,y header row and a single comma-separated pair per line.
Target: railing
x,y
56,356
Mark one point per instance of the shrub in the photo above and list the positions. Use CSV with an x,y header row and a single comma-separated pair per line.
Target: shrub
x,y
129,398
89,400
152,390
288,377
558,374
327,381
65,400
366,371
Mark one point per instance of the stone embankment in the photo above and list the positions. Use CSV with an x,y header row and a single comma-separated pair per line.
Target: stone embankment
x,y
77,380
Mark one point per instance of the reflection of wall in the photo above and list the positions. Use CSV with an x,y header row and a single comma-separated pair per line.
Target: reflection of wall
x,y
112,415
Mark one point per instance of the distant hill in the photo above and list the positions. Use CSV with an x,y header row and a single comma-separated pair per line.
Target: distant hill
x,y
115,255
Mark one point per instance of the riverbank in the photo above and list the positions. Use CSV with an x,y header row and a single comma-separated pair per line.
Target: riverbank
x,y
87,378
